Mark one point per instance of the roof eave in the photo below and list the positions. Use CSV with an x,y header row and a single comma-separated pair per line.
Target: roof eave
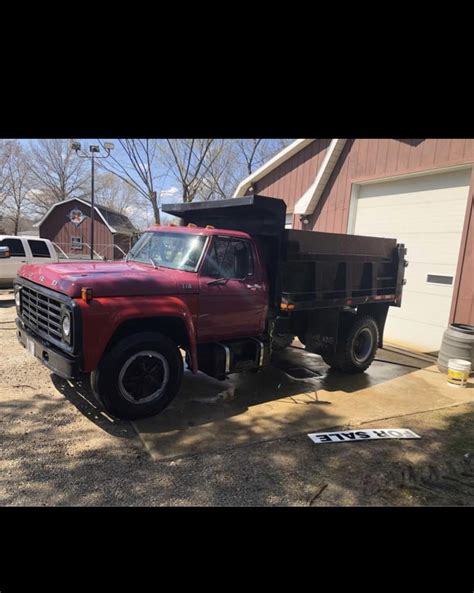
x,y
40,222
272,164
307,203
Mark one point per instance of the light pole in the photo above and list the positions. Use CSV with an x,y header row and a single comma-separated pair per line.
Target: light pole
x,y
93,149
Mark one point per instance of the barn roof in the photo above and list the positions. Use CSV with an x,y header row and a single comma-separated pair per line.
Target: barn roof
x,y
113,220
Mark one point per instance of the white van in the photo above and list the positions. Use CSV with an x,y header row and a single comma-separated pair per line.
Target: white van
x,y
22,250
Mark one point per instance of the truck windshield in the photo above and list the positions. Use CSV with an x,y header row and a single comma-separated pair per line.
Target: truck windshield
x,y
180,251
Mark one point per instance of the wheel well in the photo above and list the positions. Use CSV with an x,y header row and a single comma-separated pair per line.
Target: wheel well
x,y
171,327
334,322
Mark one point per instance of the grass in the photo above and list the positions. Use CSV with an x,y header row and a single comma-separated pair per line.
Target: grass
x,y
460,433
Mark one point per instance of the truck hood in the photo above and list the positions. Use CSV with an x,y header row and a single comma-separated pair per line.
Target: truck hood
x,y
110,278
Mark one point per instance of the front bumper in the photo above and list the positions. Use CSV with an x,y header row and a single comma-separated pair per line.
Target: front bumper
x,y
63,364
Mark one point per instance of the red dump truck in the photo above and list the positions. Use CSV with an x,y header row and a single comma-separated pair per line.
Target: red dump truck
x,y
222,291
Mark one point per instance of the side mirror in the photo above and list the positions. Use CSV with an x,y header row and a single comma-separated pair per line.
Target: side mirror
x,y
4,252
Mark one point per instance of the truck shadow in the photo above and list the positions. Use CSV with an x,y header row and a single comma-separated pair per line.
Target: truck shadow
x,y
387,365
294,386
6,303
80,395
295,376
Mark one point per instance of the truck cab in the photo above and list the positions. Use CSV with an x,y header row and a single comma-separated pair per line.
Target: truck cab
x,y
218,294
21,250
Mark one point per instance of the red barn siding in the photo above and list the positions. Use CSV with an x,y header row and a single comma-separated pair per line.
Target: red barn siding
x,y
293,177
367,159
58,228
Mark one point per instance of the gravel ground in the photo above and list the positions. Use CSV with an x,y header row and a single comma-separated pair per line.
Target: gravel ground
x,y
56,448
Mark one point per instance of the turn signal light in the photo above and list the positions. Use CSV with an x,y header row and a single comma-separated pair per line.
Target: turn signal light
x,y
209,226
192,224
86,294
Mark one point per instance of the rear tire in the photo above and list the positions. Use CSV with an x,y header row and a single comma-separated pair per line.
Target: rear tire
x,y
330,359
357,348
281,341
139,377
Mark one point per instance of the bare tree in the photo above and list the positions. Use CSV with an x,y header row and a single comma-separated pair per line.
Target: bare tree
x,y
18,185
249,149
6,147
254,152
230,161
113,192
190,161
136,164
57,173
221,173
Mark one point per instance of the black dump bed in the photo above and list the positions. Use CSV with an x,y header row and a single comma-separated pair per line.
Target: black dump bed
x,y
307,269
329,269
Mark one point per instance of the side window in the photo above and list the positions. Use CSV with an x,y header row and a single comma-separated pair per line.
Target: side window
x,y
248,258
229,258
214,265
39,248
76,243
16,247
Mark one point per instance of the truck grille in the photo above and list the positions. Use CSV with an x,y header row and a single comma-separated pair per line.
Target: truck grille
x,y
41,312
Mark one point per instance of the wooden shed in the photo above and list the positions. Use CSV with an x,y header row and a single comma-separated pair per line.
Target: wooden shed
x,y
68,225
419,191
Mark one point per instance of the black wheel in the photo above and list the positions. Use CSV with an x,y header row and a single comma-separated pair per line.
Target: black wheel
x,y
139,377
357,349
330,359
281,341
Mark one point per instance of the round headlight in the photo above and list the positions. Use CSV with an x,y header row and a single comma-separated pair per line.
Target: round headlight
x,y
66,325
17,298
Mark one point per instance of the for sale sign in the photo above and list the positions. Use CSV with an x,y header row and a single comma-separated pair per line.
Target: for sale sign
x,y
362,435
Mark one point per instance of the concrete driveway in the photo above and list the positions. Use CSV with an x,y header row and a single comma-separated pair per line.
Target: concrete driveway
x,y
298,394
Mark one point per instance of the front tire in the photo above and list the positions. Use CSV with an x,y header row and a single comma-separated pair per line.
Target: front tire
x,y
139,377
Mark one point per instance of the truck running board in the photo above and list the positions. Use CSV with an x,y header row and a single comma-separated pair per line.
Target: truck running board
x,y
219,359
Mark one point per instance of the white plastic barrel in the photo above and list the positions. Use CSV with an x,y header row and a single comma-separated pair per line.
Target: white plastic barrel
x,y
458,372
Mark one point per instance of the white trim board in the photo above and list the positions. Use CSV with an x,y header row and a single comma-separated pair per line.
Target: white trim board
x,y
272,164
308,201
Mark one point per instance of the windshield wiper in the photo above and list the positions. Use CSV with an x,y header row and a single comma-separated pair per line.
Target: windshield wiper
x,y
153,262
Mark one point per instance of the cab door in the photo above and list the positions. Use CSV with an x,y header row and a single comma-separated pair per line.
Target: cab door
x,y
233,295
10,266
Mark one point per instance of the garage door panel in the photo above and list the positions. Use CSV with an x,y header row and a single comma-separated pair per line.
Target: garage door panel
x,y
434,218
415,305
415,185
415,336
416,276
431,248
425,213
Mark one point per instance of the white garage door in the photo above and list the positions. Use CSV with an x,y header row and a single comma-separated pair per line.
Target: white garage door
x,y
427,214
